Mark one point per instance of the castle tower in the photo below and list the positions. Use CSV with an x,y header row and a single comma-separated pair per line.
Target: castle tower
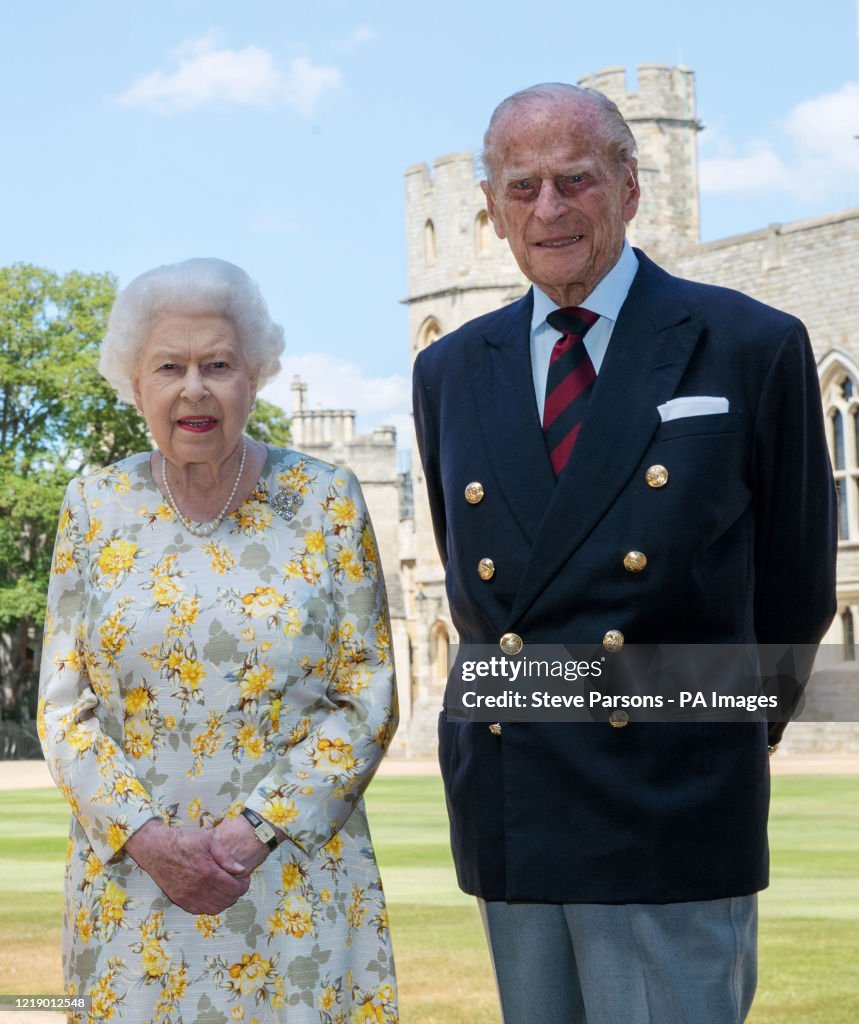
x,y
661,115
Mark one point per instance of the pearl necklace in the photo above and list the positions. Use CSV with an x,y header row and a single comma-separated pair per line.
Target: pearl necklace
x,y
203,529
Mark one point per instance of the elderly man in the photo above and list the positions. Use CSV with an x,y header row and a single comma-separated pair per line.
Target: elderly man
x,y
619,456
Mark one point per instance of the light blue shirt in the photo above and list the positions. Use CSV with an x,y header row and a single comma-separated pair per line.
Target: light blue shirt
x,y
605,300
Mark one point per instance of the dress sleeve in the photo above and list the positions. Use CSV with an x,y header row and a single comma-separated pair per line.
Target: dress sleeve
x,y
321,774
87,765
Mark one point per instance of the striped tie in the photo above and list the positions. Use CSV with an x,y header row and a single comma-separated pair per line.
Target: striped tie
x,y
569,384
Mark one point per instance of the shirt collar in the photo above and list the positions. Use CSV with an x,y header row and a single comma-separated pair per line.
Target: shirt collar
x,y
605,300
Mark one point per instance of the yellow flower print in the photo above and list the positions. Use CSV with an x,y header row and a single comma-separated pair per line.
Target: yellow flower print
x,y
249,634
333,755
334,847
352,678
257,681
138,699
194,809
386,993
122,483
169,722
139,735
369,543
368,1012
292,626
112,903
83,925
314,541
265,646
95,528
126,785
64,558
220,558
92,868
65,520
325,895
296,921
304,568
117,834
357,911
253,516
250,741
207,924
290,876
154,958
249,975
343,512
71,661
348,565
166,591
117,557
191,673
280,812
328,997
295,478
263,602
78,736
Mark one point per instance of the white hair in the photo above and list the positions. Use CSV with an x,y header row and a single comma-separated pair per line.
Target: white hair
x,y
203,285
620,142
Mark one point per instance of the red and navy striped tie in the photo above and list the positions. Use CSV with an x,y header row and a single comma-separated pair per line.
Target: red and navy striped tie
x,y
569,384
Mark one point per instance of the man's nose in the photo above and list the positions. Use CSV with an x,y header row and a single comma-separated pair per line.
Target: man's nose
x,y
550,203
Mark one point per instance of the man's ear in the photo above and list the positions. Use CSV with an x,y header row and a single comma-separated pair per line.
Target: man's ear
x,y
633,190
492,210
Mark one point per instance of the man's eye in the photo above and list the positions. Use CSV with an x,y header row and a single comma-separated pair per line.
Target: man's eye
x,y
526,185
168,366
569,183
219,364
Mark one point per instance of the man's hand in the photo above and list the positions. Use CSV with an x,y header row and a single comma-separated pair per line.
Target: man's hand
x,y
184,865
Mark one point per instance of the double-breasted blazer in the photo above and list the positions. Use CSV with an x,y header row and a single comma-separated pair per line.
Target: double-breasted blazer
x,y
740,545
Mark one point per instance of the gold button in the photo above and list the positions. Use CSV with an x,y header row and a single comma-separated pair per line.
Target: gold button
x,y
474,493
656,476
511,643
612,641
495,729
618,719
486,568
634,561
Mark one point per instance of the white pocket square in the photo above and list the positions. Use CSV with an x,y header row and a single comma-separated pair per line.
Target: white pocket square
x,y
692,405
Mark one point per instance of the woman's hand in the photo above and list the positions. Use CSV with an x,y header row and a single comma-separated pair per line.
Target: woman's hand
x,y
234,841
193,869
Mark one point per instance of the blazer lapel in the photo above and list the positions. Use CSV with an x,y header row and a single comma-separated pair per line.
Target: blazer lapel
x,y
499,366
650,348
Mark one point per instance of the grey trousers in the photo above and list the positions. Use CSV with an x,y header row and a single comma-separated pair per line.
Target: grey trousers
x,y
642,963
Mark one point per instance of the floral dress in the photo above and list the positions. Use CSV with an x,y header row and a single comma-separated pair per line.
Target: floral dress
x,y
187,677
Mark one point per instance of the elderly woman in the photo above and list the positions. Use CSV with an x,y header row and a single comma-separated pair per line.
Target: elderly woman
x,y
217,691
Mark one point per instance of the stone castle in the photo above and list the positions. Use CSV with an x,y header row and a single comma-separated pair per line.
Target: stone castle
x,y
459,269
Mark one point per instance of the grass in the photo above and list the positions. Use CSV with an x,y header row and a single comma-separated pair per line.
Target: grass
x,y
809,943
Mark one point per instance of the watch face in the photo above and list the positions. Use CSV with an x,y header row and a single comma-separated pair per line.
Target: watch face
x,y
265,832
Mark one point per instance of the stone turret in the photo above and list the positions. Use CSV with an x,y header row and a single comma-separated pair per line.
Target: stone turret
x,y
661,114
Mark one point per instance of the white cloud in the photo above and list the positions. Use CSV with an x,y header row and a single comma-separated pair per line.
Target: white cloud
x,y
822,153
207,72
335,384
357,37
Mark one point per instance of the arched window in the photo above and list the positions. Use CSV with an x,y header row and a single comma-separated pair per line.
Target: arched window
x,y
848,635
440,653
429,332
841,402
482,234
429,242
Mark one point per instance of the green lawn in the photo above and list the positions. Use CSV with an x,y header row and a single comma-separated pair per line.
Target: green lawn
x,y
809,915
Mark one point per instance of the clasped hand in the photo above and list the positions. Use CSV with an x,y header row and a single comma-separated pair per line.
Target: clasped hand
x,y
203,871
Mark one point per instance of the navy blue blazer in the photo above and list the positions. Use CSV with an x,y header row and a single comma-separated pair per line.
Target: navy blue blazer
x,y
740,546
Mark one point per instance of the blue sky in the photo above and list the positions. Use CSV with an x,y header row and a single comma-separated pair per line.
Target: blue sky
x,y
276,135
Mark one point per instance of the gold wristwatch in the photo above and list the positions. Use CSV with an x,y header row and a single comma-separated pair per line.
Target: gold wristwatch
x,y
262,830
